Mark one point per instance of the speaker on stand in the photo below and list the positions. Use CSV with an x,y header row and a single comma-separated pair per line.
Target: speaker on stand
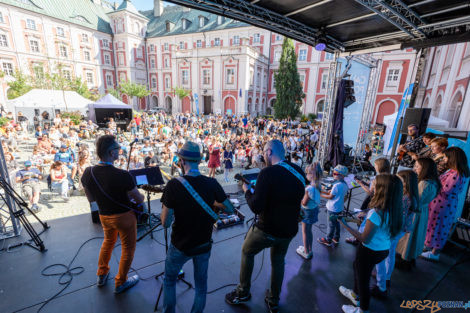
x,y
419,117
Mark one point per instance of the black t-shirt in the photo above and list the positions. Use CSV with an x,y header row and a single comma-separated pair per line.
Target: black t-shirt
x,y
115,182
276,200
150,160
192,226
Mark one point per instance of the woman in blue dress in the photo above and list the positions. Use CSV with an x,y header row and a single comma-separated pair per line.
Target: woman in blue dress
x,y
228,157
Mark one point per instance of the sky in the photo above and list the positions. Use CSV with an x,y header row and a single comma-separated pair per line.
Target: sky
x,y
143,5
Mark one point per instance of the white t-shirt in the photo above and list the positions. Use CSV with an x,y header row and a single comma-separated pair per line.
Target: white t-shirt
x,y
336,204
314,195
381,239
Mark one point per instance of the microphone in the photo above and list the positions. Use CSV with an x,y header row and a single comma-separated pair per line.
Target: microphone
x,y
136,140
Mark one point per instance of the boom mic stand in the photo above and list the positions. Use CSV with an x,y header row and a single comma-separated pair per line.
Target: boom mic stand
x,y
20,215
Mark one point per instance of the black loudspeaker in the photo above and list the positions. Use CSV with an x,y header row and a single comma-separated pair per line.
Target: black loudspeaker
x,y
418,116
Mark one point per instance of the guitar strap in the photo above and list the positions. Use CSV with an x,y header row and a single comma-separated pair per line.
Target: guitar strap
x,y
293,171
197,197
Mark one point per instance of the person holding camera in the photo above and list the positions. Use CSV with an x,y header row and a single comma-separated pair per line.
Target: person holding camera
x,y
189,200
276,201
29,178
111,190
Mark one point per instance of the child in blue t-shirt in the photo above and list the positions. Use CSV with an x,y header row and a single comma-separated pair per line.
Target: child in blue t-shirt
x,y
310,204
335,205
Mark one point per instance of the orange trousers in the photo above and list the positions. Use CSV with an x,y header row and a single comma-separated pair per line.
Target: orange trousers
x,y
124,224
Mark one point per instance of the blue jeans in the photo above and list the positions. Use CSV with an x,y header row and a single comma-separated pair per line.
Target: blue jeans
x,y
175,260
333,228
63,186
385,268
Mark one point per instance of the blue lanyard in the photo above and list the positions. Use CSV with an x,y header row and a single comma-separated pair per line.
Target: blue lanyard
x,y
195,171
105,163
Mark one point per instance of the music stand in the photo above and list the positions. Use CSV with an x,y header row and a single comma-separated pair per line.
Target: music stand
x,y
148,176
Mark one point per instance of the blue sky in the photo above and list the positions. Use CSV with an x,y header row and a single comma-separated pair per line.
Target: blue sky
x,y
143,5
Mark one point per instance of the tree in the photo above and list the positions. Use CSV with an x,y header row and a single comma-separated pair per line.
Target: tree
x,y
289,92
181,93
19,86
114,92
132,89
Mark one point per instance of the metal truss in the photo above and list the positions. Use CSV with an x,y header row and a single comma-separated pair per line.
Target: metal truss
x,y
252,14
9,225
399,14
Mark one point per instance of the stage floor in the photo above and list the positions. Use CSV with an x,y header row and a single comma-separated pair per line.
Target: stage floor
x,y
309,286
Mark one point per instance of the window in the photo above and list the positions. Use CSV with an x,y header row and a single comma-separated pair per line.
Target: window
x,y
3,40
393,77
86,55
165,46
185,77
168,26
278,37
206,77
154,82
107,59
1,18
38,70
302,80
274,82
34,45
302,54
181,45
324,81
329,56
277,55
106,43
256,38
139,53
251,77
258,78
30,24
60,32
109,80
63,51
120,58
66,74
230,76
217,41
167,82
202,21
199,43
152,47
220,20
7,68
185,24
166,62
84,38
89,78
236,40
152,63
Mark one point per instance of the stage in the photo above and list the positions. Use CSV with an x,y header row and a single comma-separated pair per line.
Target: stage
x,y
309,286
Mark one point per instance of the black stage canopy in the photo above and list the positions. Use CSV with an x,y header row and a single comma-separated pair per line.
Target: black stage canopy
x,y
352,25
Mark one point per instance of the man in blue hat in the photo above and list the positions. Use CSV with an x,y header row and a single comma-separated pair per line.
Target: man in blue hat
x,y
29,178
66,156
191,198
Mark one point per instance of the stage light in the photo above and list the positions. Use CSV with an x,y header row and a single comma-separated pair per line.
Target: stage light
x,y
320,46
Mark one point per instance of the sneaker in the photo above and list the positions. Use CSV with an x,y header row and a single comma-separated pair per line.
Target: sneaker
x,y
130,282
352,241
236,297
301,251
430,256
348,293
377,293
347,308
273,308
335,241
102,279
325,241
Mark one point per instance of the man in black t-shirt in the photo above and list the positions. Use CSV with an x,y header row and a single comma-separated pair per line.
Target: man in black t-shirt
x,y
151,160
192,228
111,190
276,199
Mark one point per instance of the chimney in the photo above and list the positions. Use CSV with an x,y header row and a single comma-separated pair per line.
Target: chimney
x,y
157,8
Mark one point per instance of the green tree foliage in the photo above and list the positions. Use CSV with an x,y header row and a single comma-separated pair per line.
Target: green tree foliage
x,y
19,86
287,82
114,92
181,92
131,89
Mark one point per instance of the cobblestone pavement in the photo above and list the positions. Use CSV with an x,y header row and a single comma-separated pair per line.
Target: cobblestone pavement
x,y
54,207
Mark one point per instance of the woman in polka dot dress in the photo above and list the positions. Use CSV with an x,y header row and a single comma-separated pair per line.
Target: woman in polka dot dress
x,y
443,208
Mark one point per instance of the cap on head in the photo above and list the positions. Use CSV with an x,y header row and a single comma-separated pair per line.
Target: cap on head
x,y
63,146
27,163
190,151
341,169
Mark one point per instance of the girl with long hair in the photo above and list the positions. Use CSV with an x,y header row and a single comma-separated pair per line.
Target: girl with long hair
x,y
310,204
443,208
411,244
383,222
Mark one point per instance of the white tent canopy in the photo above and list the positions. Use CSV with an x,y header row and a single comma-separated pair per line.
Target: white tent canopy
x,y
48,100
389,121
107,102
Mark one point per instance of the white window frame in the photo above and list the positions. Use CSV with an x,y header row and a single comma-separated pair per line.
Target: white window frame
x,y
258,78
199,43
393,77
153,82
166,62
167,82
324,81
277,55
63,51
89,78
216,41
86,55
60,31
256,38
302,54
166,46
329,56
236,40
273,83
185,77
1,18
152,63
3,40
34,45
38,70
138,52
7,68
230,76
120,59
30,24
152,47
220,20
302,79
84,38
107,59
67,74
106,43
109,80
181,45
278,37
206,76
202,21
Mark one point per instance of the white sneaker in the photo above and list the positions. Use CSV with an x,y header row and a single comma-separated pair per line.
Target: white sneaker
x,y
348,293
347,308
430,256
301,251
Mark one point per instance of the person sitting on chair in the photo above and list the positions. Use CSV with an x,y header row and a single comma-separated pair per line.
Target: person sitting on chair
x,y
29,178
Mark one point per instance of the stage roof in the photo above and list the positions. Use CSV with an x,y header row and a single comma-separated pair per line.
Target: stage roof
x,y
352,25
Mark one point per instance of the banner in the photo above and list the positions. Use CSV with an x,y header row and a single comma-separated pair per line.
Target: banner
x,y
352,115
